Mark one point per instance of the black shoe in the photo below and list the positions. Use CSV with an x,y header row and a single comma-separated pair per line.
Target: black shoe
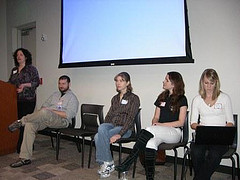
x,y
15,125
125,166
20,162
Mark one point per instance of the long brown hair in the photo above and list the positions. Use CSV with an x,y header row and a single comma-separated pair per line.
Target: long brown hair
x,y
178,91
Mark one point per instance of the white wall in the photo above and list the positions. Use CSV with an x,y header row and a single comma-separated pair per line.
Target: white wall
x,y
3,41
215,38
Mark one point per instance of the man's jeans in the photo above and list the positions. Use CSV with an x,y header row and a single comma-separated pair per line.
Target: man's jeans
x,y
102,141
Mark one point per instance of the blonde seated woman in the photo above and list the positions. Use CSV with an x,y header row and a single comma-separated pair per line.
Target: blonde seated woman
x,y
215,109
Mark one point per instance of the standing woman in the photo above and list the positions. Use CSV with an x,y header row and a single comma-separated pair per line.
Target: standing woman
x,y
215,109
26,78
119,122
168,120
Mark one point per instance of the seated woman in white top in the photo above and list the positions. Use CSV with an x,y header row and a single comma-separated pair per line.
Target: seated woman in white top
x,y
215,109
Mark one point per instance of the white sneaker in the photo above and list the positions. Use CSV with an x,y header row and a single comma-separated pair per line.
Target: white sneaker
x,y
106,168
110,168
105,174
102,169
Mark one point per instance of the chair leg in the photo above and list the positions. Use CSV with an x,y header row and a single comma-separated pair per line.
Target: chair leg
x,y
185,158
120,158
175,164
79,147
134,168
183,173
52,142
90,153
78,144
233,168
58,137
83,148
238,170
190,163
111,148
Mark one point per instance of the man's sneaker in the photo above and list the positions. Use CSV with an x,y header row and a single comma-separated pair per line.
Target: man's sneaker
x,y
109,166
20,162
15,125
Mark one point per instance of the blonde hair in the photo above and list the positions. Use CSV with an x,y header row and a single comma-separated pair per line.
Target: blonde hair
x,y
212,76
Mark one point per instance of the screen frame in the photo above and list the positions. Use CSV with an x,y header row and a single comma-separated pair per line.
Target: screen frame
x,y
139,61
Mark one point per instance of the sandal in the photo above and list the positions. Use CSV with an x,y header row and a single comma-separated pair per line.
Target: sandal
x,y
20,162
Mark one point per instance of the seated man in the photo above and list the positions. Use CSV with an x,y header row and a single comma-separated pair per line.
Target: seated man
x,y
56,112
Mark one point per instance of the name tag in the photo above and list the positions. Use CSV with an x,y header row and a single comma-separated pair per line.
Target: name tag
x,y
218,106
163,104
59,105
124,101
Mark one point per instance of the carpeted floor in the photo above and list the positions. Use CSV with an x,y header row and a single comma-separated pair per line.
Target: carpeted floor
x,y
45,166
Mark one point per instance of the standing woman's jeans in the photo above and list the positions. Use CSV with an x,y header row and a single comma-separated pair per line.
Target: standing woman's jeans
x,y
102,141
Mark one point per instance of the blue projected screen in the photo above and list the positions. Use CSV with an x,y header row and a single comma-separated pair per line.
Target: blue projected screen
x,y
122,32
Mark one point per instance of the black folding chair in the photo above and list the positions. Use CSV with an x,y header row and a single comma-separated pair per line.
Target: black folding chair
x,y
90,113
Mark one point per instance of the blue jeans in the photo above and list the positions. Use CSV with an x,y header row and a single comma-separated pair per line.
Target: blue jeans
x,y
102,141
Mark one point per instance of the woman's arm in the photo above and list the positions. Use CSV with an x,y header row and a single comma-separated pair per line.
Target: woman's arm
x,y
194,126
229,111
22,86
33,79
229,124
177,123
195,112
156,115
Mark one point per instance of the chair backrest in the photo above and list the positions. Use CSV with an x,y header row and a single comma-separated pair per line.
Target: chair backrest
x,y
90,113
73,123
89,122
235,118
185,130
137,123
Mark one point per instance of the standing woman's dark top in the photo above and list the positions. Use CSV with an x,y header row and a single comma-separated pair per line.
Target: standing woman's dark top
x,y
25,76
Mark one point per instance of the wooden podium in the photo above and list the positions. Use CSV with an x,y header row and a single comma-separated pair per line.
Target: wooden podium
x,y
8,114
